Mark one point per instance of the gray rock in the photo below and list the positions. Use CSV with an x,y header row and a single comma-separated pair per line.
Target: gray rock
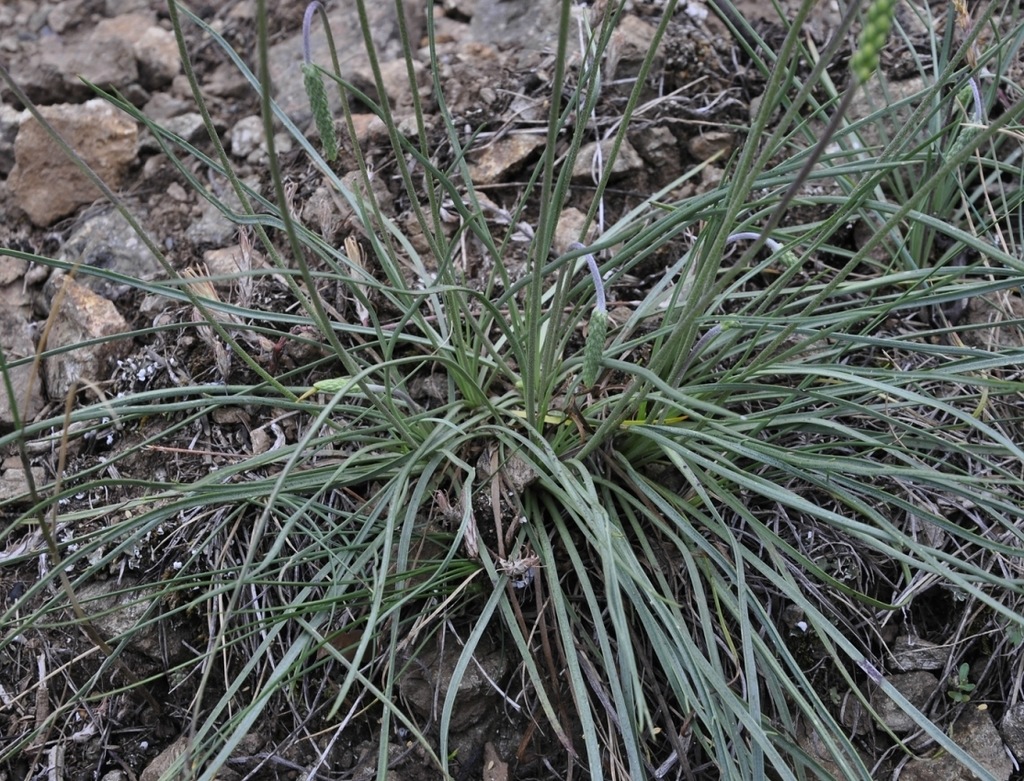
x,y
45,183
810,740
910,652
107,241
518,23
188,127
425,684
1011,728
917,687
660,150
247,136
14,483
213,229
18,346
10,121
156,51
975,733
567,231
628,48
52,70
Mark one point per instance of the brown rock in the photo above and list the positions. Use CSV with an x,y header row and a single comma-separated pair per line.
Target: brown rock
x,y
497,161
704,146
45,183
163,761
586,168
82,316
629,46
570,223
11,270
395,76
495,768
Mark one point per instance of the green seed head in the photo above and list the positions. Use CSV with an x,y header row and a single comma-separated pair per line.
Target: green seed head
x,y
595,346
872,39
317,95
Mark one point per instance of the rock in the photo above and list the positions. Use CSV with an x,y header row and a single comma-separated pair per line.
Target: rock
x,y
107,241
395,76
811,742
426,682
713,142
249,142
53,70
854,716
518,24
628,47
369,129
495,768
587,170
188,127
910,652
82,316
320,213
164,105
159,59
212,228
17,345
1011,728
878,96
975,733
121,7
12,270
497,161
660,150
10,121
230,266
711,177
105,138
567,231
917,687
163,761
117,612
247,136
155,49
14,483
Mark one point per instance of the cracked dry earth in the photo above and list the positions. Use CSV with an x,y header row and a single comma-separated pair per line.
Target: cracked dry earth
x,y
496,63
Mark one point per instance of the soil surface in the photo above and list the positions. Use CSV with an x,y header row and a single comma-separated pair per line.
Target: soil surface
x,y
496,59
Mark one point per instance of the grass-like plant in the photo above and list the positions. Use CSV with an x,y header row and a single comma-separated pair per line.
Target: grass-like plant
x,y
628,514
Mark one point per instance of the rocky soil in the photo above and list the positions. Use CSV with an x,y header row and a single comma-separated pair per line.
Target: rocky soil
x,y
496,63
